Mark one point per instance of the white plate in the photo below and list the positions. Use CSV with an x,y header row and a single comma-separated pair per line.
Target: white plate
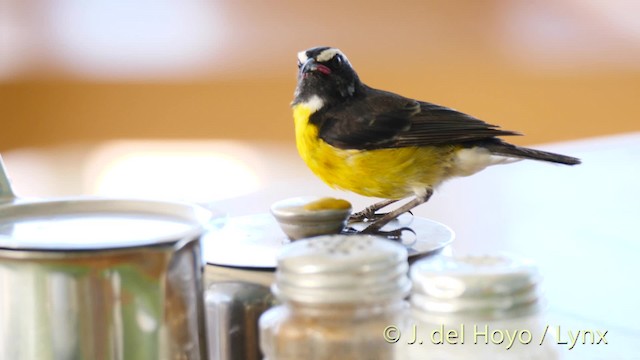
x,y
254,241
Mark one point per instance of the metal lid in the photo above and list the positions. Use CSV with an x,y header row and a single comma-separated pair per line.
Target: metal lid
x,y
482,286
342,269
92,224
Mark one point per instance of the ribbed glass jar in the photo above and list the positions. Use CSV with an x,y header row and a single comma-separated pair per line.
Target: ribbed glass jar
x,y
338,294
474,307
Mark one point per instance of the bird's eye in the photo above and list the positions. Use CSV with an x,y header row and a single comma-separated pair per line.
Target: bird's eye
x,y
338,59
299,64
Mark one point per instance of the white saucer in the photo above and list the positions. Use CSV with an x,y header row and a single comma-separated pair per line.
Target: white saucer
x,y
254,241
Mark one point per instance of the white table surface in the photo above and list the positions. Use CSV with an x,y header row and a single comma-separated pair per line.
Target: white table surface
x,y
579,224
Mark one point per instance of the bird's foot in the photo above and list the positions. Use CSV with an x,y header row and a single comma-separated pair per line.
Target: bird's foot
x,y
368,216
365,216
395,235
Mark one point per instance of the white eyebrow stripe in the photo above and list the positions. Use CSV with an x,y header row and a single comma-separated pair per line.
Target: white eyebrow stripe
x,y
302,56
328,54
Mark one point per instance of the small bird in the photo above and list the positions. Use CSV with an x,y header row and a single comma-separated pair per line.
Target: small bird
x,y
380,144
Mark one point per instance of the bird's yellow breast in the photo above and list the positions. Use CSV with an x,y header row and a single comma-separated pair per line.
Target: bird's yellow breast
x,y
385,173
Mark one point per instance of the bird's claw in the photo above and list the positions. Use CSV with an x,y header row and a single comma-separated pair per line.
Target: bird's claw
x,y
395,235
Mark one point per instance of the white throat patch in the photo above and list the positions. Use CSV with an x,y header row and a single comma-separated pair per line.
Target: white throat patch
x,y
314,103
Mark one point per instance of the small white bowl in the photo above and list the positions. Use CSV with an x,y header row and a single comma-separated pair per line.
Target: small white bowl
x,y
308,216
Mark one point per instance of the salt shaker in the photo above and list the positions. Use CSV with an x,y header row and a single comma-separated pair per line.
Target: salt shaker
x,y
474,307
338,294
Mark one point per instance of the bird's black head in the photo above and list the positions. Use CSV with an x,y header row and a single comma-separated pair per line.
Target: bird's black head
x,y
325,72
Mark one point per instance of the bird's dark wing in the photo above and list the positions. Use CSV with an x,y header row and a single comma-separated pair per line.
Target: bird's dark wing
x,y
366,122
386,120
437,124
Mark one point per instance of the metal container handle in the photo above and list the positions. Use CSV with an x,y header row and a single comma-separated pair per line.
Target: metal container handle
x,y
6,193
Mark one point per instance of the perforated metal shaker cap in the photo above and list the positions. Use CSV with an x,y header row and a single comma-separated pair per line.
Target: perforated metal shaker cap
x,y
490,286
342,269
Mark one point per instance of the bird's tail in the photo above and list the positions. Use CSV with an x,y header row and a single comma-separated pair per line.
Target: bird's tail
x,y
526,153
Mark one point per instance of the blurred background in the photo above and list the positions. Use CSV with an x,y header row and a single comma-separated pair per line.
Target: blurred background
x,y
190,99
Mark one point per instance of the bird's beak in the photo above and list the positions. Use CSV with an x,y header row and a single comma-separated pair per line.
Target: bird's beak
x,y
311,65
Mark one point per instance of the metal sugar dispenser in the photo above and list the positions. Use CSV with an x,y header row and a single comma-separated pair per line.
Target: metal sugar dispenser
x,y
338,294
480,307
112,279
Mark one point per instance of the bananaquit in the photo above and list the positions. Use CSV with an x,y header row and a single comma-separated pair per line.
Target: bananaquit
x,y
380,144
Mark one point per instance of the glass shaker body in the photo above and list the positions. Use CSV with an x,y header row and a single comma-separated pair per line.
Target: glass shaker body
x,y
338,295
337,331
482,307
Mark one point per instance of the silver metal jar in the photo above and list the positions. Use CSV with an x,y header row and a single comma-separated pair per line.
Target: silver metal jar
x,y
100,279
